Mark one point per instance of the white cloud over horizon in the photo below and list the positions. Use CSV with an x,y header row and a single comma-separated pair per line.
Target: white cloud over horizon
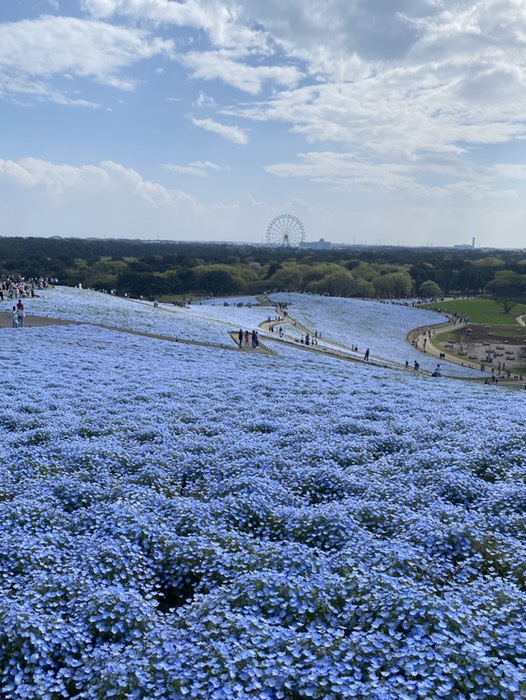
x,y
368,120
201,168
230,133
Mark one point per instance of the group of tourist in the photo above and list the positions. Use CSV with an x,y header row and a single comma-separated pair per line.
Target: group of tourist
x,y
244,337
16,287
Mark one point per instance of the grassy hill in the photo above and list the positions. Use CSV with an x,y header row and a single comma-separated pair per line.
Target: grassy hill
x,y
479,310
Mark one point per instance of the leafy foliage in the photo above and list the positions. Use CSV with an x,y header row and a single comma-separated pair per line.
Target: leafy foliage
x,y
155,269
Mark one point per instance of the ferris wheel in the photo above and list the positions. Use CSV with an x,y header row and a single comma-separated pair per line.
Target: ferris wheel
x,y
285,231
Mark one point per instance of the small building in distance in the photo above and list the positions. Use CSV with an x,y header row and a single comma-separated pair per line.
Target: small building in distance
x,y
322,244
466,246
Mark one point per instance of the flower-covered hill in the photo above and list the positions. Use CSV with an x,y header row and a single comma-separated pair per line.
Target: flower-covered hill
x,y
383,327
344,323
187,522
198,323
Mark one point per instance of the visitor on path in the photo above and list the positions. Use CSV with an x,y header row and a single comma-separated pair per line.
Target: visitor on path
x,y
240,337
366,356
255,341
14,317
246,339
20,314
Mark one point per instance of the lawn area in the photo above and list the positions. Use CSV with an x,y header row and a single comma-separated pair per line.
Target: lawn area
x,y
479,310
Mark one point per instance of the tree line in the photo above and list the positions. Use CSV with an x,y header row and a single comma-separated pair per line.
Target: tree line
x,y
175,269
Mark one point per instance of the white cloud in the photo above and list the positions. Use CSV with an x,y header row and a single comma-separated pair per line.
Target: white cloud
x,y
63,180
346,172
406,77
32,52
205,100
374,30
107,199
400,111
101,199
220,65
198,167
424,179
392,100
230,133
509,171
217,19
236,43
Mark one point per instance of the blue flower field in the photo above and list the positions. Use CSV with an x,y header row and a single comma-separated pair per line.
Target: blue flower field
x,y
184,521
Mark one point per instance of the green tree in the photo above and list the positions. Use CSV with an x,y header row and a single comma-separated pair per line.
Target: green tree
x,y
188,279
289,277
394,285
470,279
338,283
430,290
508,289
219,282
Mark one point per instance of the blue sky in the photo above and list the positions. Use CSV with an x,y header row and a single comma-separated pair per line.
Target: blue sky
x,y
371,121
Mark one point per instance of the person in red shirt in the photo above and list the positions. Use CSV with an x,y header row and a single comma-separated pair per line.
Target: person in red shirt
x,y
20,313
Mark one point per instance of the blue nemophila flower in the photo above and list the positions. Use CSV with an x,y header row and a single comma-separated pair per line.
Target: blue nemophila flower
x,y
186,522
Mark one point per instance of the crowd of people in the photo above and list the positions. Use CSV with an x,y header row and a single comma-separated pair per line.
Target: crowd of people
x,y
16,287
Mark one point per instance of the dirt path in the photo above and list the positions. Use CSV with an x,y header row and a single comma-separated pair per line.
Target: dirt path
x,y
418,335
327,348
341,351
31,321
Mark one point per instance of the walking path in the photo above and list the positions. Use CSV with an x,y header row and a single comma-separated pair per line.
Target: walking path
x,y
325,347
342,351
31,321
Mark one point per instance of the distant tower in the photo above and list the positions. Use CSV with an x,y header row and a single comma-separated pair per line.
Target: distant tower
x,y
473,242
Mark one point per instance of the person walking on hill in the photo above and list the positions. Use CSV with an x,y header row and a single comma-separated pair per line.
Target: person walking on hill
x,y
20,313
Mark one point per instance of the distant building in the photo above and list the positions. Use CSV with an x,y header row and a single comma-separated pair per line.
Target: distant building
x,y
466,246
322,244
